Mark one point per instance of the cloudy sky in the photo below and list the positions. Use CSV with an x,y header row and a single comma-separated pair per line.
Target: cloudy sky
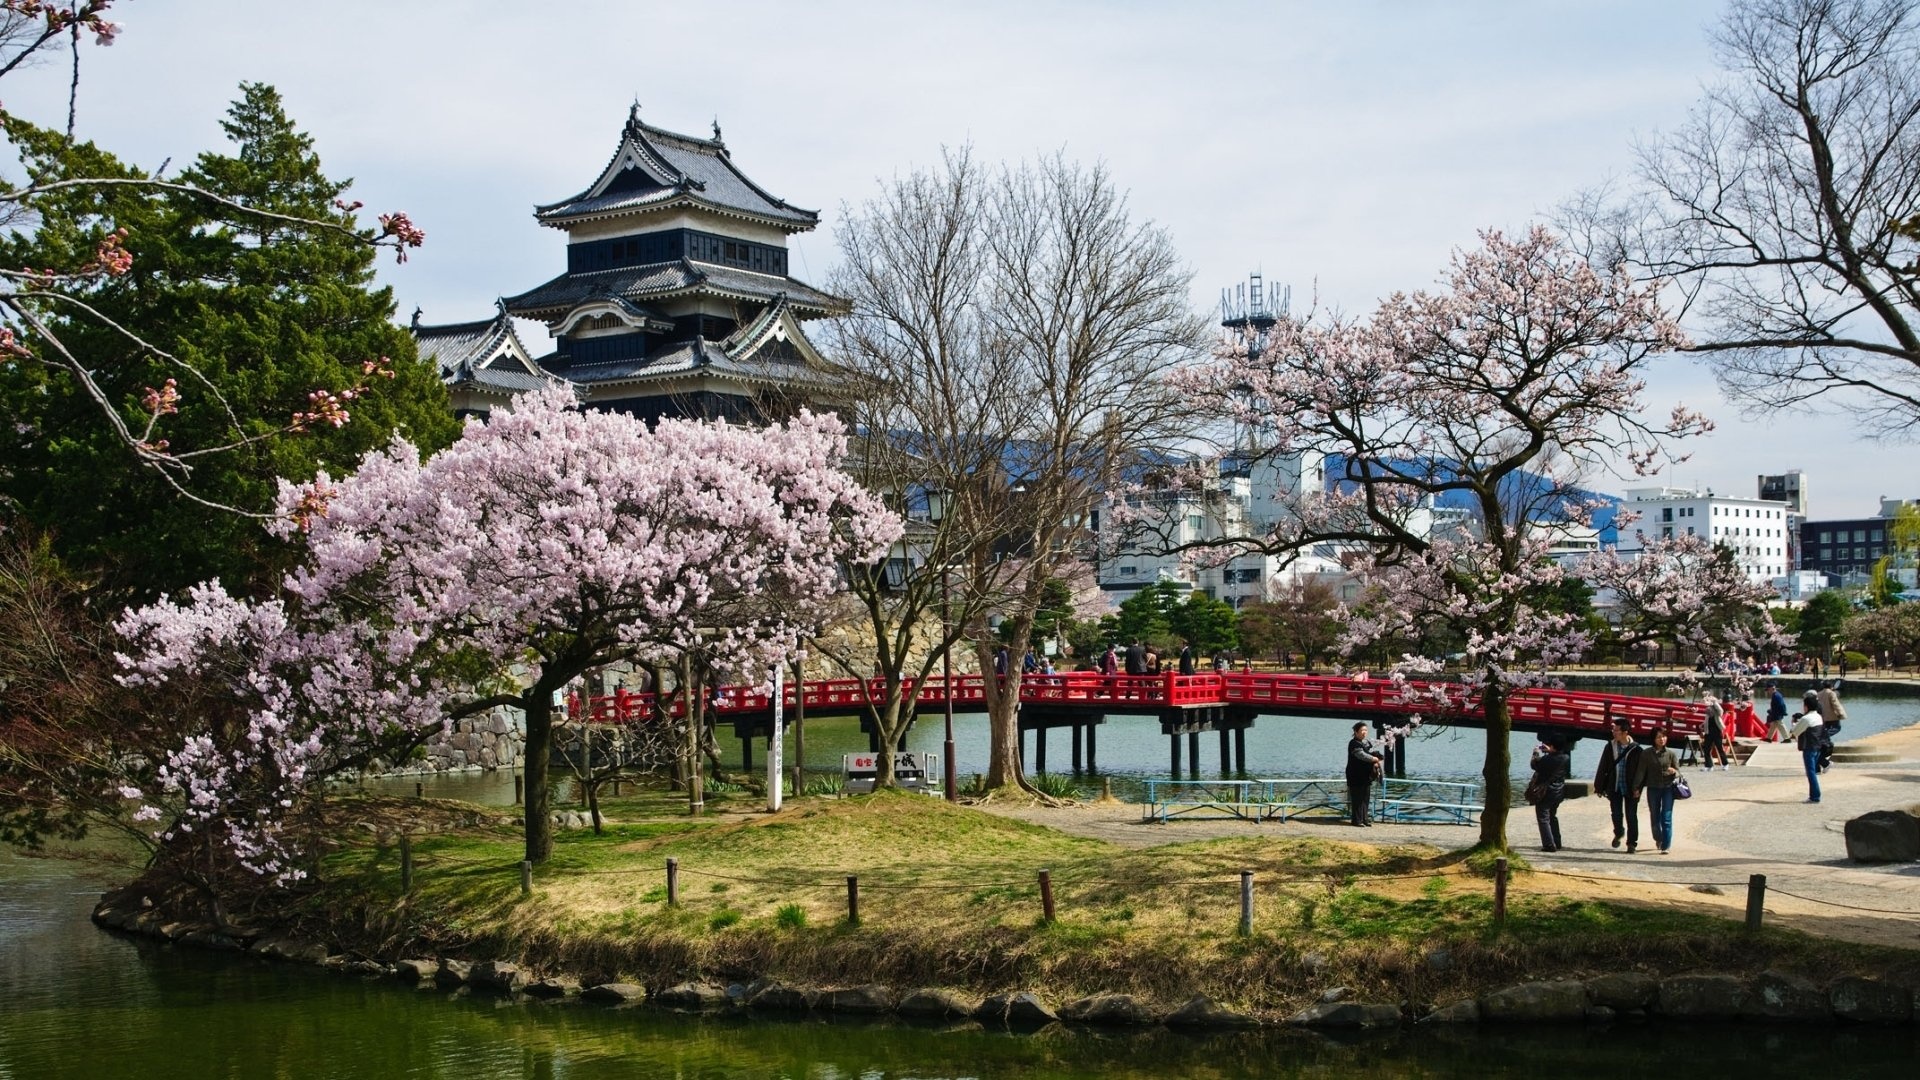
x,y
1343,148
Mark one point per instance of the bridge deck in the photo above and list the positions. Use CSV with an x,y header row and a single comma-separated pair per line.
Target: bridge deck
x,y
1355,697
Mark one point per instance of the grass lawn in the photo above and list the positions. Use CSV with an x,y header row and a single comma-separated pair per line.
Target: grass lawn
x,y
949,896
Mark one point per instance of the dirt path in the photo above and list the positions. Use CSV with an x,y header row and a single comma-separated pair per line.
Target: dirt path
x,y
1751,820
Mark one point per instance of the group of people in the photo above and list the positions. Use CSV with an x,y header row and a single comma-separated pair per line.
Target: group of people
x,y
1627,772
1140,658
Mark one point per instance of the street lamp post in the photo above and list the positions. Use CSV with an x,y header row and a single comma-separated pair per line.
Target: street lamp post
x,y
952,779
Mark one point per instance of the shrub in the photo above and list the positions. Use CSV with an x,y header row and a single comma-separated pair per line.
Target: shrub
x,y
722,919
1057,786
790,917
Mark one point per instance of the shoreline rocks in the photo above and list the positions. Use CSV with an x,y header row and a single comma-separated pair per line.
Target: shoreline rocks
x,y
1768,997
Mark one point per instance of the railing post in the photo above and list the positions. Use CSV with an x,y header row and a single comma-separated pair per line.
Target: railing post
x,y
1756,900
1046,895
853,900
1246,903
1500,892
673,882
406,863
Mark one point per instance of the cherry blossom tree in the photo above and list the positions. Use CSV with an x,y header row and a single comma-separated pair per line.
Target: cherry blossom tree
x,y
1497,393
547,542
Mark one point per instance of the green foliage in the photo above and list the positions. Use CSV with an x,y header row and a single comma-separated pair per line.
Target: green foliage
x,y
790,917
1300,620
821,785
1821,620
1166,613
1056,785
265,311
722,919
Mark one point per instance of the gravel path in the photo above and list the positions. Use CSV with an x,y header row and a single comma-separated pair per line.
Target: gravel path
x,y
1751,820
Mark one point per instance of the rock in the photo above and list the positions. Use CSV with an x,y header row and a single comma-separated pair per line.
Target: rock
x,y
1623,990
212,939
1709,890
147,921
736,993
415,971
1600,1014
1884,836
498,975
690,995
869,999
1869,1001
372,969
783,998
554,986
1707,996
1536,1002
1314,962
1776,995
451,974
614,994
936,1002
1015,1010
1440,960
1107,1009
1460,1012
1346,1014
292,950
1338,993
1201,1012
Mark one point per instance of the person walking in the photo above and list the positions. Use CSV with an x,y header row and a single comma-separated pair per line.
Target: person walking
x,y
1136,658
1618,779
1713,741
1776,714
1831,714
1551,763
1110,661
1659,770
1186,658
1364,763
1806,735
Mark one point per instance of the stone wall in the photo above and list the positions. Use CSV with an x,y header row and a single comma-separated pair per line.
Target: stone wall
x,y
492,740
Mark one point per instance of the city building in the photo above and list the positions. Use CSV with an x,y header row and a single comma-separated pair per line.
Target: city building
x,y
1790,488
1846,550
1755,530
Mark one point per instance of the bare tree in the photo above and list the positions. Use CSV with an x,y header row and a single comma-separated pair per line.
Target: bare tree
x,y
1012,325
1778,209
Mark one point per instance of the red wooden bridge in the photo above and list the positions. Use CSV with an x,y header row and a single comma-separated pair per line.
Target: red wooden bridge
x,y
1226,702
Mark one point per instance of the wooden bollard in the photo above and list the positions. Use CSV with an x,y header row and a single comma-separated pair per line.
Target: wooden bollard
x,y
1756,900
1046,895
419,790
853,900
526,877
1500,892
406,863
1246,903
673,882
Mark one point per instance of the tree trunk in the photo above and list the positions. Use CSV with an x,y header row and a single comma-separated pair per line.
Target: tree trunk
x,y
695,692
537,704
890,721
1497,790
1003,721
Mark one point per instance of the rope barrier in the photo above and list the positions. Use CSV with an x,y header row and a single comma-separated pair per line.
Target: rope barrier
x,y
1838,904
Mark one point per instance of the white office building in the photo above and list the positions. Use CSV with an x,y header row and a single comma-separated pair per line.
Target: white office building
x,y
1755,530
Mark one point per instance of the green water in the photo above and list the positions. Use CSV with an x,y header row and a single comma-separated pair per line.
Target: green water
x,y
79,1002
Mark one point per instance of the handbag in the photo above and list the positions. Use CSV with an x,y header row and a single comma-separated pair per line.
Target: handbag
x,y
1535,792
1680,788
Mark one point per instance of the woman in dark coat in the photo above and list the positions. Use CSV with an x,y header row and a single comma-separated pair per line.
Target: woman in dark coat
x,y
1550,764
1363,764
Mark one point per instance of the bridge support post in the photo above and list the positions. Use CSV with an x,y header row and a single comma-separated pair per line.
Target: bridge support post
x,y
1092,733
1193,755
746,753
1226,752
1076,748
1240,750
1040,749
1173,741
873,742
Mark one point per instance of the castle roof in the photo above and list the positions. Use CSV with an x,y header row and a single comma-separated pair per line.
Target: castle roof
x,y
659,281
485,354
654,169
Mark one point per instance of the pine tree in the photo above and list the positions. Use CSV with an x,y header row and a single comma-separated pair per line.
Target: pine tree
x,y
266,311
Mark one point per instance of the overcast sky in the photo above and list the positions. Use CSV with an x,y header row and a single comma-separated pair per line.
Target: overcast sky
x,y
1342,148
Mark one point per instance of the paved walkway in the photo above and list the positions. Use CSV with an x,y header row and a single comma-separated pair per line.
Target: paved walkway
x,y
1751,820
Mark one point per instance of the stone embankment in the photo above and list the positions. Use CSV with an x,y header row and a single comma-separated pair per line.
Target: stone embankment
x,y
1770,997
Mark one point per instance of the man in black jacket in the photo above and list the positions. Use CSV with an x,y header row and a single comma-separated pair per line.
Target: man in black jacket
x,y
1363,764
1618,778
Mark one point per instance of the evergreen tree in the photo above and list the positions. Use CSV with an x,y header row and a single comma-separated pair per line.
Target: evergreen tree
x,y
259,313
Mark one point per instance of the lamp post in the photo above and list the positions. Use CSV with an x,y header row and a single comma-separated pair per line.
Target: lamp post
x,y
952,778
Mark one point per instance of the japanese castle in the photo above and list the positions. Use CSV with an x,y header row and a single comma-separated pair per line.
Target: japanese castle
x,y
676,301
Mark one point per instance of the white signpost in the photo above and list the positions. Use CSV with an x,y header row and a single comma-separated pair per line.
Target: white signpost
x,y
776,742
